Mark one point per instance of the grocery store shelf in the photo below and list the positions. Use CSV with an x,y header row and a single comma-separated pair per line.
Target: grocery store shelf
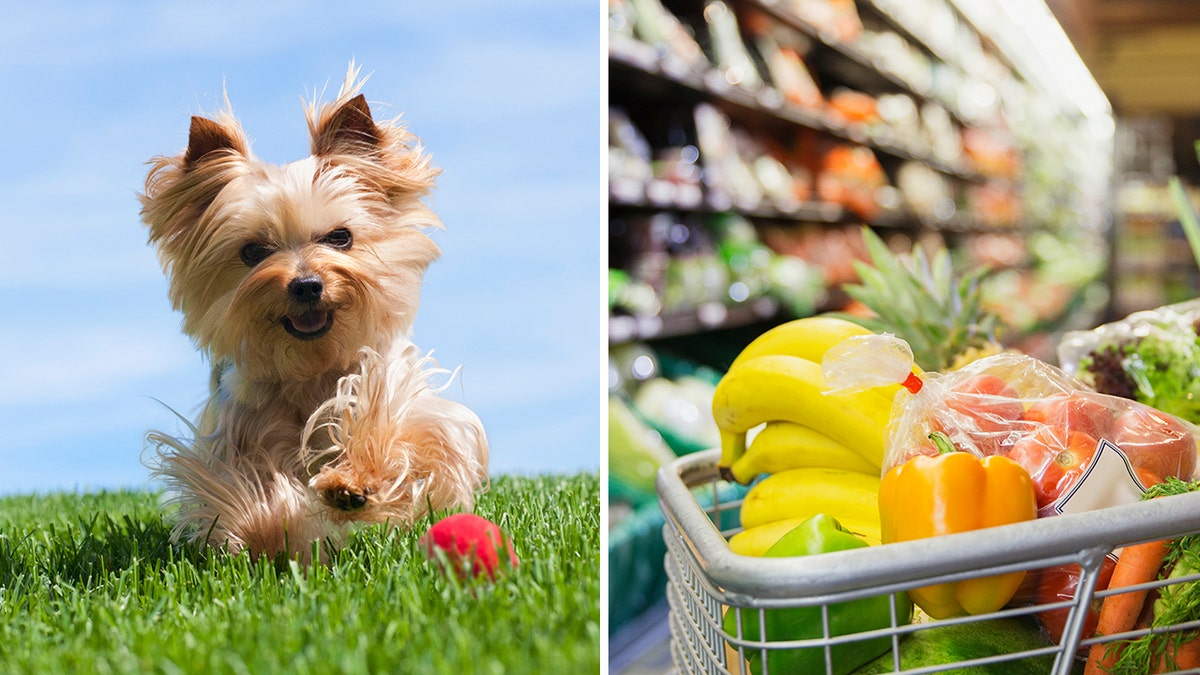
x,y
767,104
806,212
708,316
966,154
913,33
809,212
853,64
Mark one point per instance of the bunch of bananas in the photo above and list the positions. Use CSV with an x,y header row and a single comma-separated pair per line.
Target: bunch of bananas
x,y
824,453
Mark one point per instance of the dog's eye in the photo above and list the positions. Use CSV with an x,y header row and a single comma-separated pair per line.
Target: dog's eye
x,y
254,253
339,239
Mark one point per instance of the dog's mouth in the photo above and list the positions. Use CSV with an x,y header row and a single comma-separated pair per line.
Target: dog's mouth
x,y
308,325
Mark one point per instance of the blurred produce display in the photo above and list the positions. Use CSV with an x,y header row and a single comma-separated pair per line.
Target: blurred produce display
x,y
888,160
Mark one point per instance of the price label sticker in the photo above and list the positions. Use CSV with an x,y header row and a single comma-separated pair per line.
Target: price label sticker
x,y
1108,480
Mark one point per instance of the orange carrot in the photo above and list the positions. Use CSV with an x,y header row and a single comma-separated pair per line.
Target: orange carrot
x,y
1181,656
1187,657
1137,564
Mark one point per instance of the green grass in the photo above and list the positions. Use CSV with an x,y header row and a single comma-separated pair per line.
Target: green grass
x,y
91,584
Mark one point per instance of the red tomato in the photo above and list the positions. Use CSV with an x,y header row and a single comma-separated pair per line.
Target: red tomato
x,y
1075,411
1156,442
926,449
1058,583
983,408
1055,457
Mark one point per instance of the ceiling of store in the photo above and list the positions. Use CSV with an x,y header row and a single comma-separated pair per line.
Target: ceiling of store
x,y
1145,54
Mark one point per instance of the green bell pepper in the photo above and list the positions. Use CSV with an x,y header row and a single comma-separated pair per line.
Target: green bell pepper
x,y
819,534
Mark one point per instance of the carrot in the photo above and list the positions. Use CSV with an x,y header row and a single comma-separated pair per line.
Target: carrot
x,y
1182,655
1137,564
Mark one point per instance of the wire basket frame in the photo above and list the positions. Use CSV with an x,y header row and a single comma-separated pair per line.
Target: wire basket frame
x,y
705,579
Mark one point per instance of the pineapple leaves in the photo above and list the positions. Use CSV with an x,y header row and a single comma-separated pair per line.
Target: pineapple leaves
x,y
917,297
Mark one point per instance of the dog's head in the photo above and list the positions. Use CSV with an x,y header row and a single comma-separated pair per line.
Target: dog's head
x,y
290,270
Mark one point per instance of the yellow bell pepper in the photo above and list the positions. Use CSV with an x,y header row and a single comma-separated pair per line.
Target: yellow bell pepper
x,y
953,492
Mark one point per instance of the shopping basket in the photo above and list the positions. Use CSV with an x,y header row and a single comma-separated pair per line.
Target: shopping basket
x,y
704,577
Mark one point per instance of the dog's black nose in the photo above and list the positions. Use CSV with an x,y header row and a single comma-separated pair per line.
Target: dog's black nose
x,y
306,289
345,500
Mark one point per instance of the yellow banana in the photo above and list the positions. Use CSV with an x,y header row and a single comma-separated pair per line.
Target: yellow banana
x,y
788,445
733,447
788,388
849,496
807,338
756,540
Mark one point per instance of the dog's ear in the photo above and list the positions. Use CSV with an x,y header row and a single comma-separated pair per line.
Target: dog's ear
x,y
207,136
349,128
384,155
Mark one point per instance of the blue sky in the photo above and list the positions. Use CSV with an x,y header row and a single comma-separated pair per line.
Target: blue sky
x,y
506,97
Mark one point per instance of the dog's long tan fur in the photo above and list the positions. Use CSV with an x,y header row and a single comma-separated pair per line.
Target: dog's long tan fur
x,y
300,283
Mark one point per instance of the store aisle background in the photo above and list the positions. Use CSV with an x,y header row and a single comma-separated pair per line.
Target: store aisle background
x,y
1146,58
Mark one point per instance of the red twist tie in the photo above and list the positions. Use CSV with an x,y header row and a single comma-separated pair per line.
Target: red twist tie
x,y
913,383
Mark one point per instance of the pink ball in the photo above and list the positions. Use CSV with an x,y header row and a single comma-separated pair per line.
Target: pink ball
x,y
470,543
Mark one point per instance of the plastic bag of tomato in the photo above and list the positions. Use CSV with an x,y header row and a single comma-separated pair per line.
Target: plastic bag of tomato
x,y
1083,450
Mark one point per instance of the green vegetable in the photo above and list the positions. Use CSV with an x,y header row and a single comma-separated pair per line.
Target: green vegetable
x,y
680,410
1176,603
962,642
819,534
1161,369
635,453
1164,366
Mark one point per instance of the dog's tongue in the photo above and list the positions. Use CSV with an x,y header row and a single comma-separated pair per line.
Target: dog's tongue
x,y
309,322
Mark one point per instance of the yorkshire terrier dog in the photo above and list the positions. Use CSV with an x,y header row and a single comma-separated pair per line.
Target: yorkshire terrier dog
x,y
299,283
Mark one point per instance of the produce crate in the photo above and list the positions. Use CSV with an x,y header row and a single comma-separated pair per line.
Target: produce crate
x,y
704,577
635,552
